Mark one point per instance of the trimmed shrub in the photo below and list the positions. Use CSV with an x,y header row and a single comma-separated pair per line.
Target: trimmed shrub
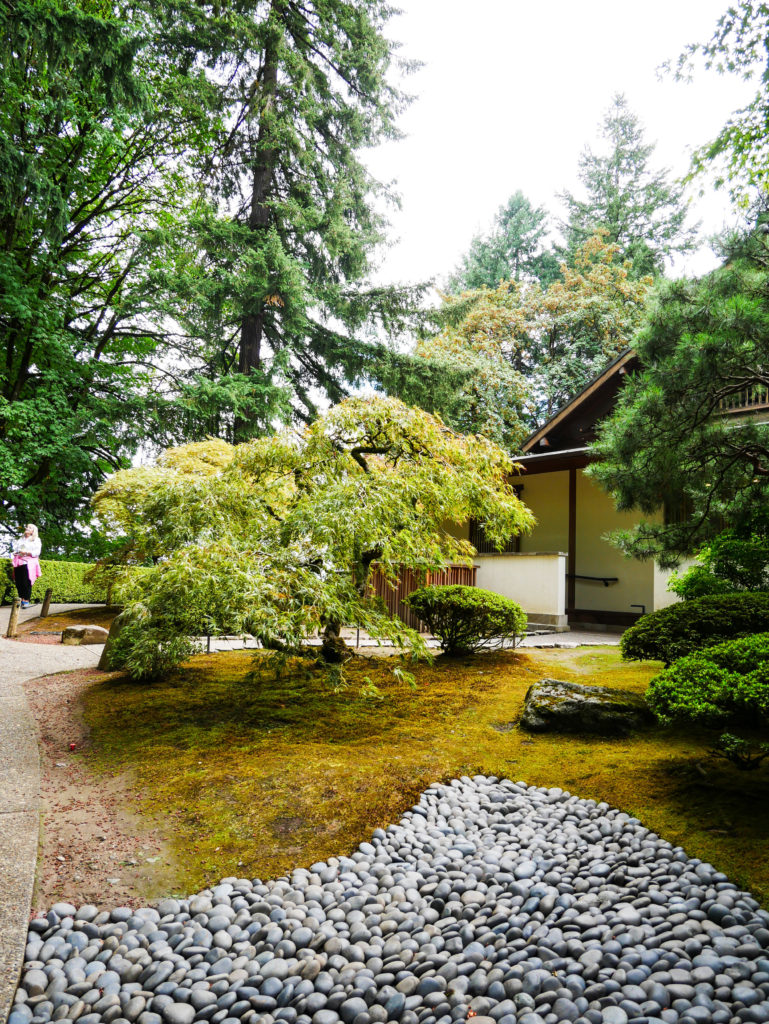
x,y
467,619
66,579
724,686
680,629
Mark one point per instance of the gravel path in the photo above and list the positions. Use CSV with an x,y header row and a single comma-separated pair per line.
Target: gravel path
x,y
512,903
20,786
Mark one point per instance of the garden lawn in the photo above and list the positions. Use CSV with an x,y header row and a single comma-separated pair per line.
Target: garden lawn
x,y
254,777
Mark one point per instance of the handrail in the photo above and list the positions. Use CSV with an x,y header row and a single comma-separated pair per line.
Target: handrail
x,y
606,580
754,396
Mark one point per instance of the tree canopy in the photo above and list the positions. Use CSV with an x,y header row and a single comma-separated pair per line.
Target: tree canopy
x,y
514,248
642,212
677,440
187,229
279,536
740,151
525,349
294,215
93,143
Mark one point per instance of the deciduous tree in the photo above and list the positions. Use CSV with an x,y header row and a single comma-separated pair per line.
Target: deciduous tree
x,y
740,151
527,349
278,537
95,134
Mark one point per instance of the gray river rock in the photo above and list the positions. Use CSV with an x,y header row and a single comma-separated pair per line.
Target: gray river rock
x,y
490,900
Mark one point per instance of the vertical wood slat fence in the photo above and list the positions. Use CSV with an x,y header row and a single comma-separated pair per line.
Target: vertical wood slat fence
x,y
411,580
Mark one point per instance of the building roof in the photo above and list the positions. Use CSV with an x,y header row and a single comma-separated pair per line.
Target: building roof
x,y
573,427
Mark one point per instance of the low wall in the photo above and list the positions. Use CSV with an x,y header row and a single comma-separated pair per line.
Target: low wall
x,y
536,580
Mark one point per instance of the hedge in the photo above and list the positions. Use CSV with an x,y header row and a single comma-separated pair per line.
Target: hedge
x,y
724,686
65,579
673,632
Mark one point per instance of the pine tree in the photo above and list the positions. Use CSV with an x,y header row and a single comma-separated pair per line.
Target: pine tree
x,y
640,210
677,437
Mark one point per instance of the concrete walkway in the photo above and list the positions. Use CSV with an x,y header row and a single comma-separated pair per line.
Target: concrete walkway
x,y
573,638
20,786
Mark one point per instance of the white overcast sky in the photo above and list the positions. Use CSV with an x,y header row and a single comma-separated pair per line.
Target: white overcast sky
x,y
511,92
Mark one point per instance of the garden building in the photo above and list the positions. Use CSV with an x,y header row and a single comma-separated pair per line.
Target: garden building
x,y
566,572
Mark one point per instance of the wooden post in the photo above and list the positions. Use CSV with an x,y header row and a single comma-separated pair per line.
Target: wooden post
x,y
572,552
46,603
14,617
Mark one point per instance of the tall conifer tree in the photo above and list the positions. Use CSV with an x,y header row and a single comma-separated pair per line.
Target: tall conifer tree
x,y
295,215
640,210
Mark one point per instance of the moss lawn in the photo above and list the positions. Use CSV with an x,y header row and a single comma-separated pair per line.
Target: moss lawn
x,y
255,776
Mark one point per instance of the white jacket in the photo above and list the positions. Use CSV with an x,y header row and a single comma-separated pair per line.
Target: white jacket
x,y
30,546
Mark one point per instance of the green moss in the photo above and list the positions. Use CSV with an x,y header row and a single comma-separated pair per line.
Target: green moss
x,y
257,777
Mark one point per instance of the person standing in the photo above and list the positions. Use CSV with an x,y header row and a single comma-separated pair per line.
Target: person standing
x,y
26,563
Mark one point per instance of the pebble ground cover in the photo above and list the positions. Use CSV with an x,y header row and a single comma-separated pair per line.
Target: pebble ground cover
x,y
518,904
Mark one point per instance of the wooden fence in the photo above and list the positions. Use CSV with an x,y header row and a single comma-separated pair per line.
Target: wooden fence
x,y
410,580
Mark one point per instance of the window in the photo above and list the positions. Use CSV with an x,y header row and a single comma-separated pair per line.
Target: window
x,y
484,546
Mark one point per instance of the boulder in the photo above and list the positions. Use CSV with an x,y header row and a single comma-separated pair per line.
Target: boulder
x,y
108,660
74,635
555,706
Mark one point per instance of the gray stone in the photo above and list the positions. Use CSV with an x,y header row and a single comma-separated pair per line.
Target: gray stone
x,y
109,660
521,904
552,705
178,1013
74,636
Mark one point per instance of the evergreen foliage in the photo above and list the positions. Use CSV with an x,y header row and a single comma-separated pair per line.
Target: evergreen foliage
x,y
641,211
271,284
671,439
187,227
69,581
514,248
729,563
724,686
679,629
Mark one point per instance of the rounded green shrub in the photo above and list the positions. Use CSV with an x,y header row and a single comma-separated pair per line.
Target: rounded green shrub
x,y
724,686
680,629
466,619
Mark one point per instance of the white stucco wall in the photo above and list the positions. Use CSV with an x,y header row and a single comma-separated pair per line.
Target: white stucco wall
x,y
536,581
662,598
533,584
547,495
597,516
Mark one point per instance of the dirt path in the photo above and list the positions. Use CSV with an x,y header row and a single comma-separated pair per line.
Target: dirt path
x,y
94,850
